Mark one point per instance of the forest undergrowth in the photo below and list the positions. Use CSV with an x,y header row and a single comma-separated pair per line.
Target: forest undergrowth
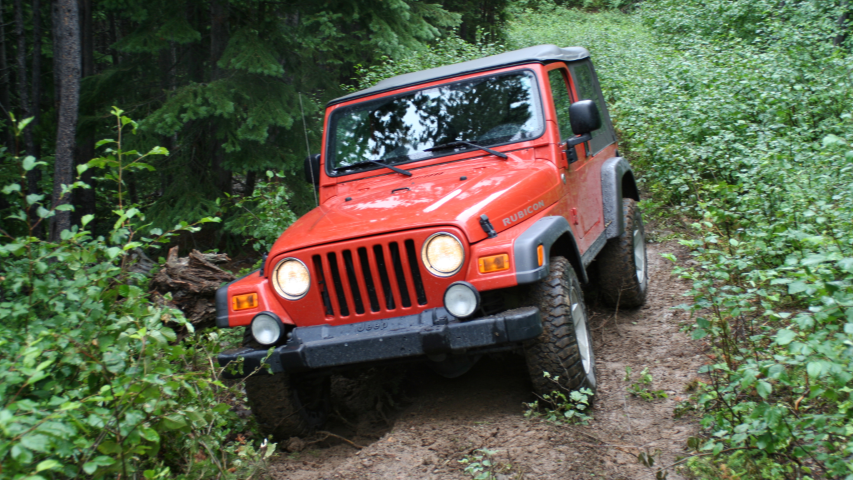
x,y
738,116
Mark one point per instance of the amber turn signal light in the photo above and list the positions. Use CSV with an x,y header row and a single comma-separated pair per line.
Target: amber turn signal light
x,y
540,254
244,302
494,263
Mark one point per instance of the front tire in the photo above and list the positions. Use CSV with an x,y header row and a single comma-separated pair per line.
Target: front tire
x,y
564,349
286,406
622,265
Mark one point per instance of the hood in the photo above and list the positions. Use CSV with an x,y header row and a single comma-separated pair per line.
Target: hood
x,y
507,191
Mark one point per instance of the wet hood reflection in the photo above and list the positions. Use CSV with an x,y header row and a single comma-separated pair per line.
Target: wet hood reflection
x,y
433,196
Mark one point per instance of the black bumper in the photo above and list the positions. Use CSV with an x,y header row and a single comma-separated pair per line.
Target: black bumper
x,y
429,332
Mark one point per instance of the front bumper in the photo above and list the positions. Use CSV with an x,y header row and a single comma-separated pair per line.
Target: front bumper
x,y
432,331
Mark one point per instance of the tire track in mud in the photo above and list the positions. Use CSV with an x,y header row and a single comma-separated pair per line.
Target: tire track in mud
x,y
444,420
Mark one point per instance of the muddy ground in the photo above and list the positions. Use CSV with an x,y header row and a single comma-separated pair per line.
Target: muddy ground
x,y
412,424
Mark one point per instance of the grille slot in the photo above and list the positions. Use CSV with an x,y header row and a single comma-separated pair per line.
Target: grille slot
x,y
339,286
353,283
412,254
370,279
394,249
383,277
321,283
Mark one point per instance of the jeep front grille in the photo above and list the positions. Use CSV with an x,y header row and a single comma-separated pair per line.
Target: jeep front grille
x,y
379,277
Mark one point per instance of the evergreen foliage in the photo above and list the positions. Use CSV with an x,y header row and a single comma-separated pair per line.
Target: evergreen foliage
x,y
218,82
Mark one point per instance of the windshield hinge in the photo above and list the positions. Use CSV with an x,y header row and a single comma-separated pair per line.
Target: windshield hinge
x,y
487,226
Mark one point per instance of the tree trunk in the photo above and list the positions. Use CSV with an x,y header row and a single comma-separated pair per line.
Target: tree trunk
x,y
194,62
842,24
8,135
34,148
251,180
67,60
26,111
36,83
55,23
84,199
218,41
23,87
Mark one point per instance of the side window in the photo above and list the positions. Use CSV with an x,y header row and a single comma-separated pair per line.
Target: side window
x,y
586,86
561,101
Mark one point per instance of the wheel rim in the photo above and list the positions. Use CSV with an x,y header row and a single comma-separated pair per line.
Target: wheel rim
x,y
640,254
582,336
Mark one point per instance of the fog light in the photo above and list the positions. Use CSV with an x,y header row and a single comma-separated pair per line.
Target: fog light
x,y
461,299
266,328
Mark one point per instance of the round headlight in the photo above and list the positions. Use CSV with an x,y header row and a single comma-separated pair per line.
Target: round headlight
x,y
291,279
461,299
443,254
266,328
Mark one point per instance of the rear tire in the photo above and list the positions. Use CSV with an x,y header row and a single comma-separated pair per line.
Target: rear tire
x,y
564,349
623,273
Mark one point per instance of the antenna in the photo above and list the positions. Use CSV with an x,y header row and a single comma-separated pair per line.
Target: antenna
x,y
308,150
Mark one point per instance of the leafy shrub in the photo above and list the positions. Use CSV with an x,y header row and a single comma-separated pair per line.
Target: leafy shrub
x,y
94,381
737,115
562,405
480,464
262,216
642,387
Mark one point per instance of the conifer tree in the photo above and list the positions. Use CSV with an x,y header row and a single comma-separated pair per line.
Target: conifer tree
x,y
67,63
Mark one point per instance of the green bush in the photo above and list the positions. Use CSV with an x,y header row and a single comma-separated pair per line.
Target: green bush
x,y
262,216
737,116
94,381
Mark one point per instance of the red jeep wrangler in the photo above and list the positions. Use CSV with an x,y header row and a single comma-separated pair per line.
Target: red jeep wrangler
x,y
461,208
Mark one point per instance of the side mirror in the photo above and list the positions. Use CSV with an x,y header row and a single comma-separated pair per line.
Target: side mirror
x,y
312,169
584,117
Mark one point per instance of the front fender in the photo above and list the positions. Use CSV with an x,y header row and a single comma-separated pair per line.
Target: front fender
x,y
227,317
546,232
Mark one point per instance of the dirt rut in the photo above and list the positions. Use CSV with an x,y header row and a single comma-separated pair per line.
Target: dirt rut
x,y
444,421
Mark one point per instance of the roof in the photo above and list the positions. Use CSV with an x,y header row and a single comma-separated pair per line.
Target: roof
x,y
537,54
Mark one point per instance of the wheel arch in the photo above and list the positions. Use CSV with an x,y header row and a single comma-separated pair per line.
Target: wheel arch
x,y
617,182
555,235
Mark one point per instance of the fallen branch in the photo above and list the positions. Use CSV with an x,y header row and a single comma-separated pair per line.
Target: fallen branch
x,y
330,434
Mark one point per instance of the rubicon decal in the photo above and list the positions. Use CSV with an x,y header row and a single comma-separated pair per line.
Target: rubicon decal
x,y
523,213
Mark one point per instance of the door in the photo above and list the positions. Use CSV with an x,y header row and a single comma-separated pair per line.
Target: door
x,y
595,152
561,96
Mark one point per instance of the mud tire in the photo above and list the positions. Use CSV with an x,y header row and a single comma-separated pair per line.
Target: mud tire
x,y
619,282
556,351
286,406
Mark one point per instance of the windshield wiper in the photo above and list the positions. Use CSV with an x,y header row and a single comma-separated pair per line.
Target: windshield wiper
x,y
374,162
463,143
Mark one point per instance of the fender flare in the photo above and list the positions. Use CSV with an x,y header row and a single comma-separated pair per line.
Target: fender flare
x,y
221,300
550,232
617,182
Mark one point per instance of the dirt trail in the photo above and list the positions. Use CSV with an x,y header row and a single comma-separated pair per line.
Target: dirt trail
x,y
446,420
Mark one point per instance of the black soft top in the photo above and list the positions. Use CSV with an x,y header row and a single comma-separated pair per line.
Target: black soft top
x,y
537,54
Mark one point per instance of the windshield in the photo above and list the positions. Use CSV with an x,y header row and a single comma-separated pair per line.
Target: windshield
x,y
486,111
